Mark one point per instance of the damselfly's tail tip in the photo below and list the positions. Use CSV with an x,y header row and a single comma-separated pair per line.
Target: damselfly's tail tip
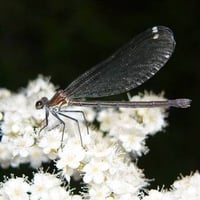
x,y
183,103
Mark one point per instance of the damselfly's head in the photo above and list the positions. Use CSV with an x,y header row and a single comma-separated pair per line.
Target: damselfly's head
x,y
41,103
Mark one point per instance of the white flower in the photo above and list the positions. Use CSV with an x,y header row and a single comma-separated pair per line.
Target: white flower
x,y
131,138
41,86
95,171
17,160
152,119
36,156
90,114
54,193
11,126
97,192
3,196
108,118
66,172
42,184
127,196
71,156
16,188
41,178
4,93
99,146
22,145
126,179
159,195
76,197
50,142
188,187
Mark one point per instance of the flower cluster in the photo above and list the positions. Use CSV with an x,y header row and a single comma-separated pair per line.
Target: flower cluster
x,y
47,186
186,188
19,141
104,167
43,186
130,127
100,159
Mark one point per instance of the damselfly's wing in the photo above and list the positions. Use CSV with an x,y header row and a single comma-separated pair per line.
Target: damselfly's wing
x,y
127,68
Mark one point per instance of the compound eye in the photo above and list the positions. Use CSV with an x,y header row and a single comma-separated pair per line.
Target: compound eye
x,y
39,105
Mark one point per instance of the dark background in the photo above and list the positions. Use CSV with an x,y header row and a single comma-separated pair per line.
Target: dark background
x,y
64,38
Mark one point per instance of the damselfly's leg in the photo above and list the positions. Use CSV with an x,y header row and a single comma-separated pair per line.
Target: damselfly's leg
x,y
78,125
78,111
63,129
46,121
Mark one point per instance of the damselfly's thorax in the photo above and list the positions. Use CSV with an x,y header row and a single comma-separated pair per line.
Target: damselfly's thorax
x,y
58,99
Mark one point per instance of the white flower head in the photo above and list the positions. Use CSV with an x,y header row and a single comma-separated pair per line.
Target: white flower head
x,y
16,188
71,155
97,192
37,156
39,88
42,184
152,119
159,195
108,118
188,187
50,142
127,179
95,171
132,139
22,145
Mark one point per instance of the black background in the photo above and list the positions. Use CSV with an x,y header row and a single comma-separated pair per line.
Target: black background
x,y
62,39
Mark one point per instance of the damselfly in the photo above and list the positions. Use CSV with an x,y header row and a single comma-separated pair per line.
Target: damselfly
x,y
127,68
